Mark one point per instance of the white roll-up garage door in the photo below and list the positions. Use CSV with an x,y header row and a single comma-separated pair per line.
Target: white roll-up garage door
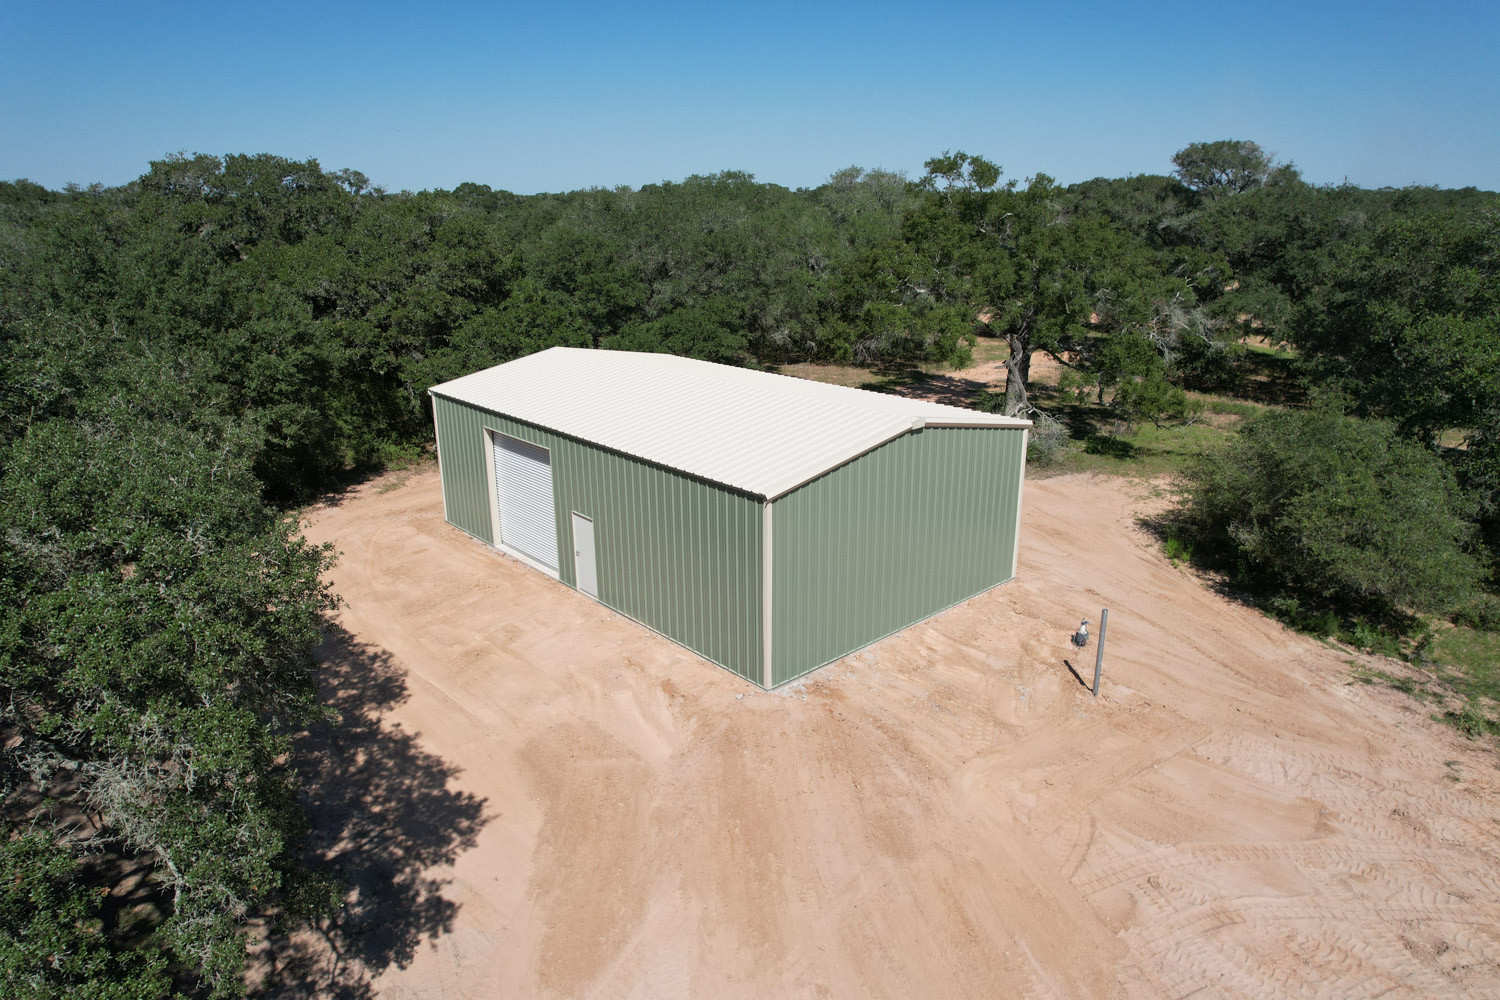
x,y
523,485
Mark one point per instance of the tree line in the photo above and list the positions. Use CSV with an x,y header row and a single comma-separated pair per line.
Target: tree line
x,y
186,357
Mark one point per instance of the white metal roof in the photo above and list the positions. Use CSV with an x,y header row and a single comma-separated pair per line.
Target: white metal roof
x,y
754,431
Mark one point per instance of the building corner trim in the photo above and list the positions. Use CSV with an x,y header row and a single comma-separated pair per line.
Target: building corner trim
x,y
767,615
437,449
1015,551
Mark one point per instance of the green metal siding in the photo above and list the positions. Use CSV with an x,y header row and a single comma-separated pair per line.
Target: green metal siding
x,y
675,553
898,534
460,441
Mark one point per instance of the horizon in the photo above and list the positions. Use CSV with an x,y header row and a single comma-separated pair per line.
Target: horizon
x,y
910,175
533,101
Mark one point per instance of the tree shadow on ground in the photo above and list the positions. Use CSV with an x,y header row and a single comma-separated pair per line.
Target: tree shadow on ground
x,y
384,818
1098,427
937,387
338,487
1268,379
1169,524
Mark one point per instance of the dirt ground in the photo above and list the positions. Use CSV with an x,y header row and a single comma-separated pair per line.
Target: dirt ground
x,y
569,805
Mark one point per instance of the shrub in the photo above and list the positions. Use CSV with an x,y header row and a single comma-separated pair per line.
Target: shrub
x,y
1471,720
1151,397
1339,510
1179,550
1481,614
1047,440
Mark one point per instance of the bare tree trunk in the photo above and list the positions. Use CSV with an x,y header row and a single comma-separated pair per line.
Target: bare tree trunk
x,y
1018,375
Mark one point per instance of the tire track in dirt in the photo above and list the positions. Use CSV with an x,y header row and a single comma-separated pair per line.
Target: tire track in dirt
x,y
947,813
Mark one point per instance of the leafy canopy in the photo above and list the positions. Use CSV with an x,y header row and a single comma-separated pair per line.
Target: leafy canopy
x,y
1340,509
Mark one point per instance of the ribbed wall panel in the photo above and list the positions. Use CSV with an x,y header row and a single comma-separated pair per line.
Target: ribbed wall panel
x,y
466,486
898,534
677,554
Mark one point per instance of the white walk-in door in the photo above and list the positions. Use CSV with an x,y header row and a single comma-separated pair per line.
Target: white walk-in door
x,y
523,489
587,574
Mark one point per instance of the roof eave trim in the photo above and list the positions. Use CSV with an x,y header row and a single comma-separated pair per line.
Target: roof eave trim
x,y
805,477
748,491
1016,422
802,477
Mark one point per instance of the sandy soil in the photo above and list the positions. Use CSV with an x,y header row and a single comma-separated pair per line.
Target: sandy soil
x,y
947,814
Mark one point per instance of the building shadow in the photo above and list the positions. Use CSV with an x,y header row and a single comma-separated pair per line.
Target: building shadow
x,y
384,819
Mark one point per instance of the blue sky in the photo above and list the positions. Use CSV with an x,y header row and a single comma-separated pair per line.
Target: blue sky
x,y
549,97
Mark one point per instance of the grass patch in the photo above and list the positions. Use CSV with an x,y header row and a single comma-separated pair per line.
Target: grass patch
x,y
1406,685
1224,406
1398,640
988,350
1469,660
1142,450
1472,720
1268,375
1260,345
1457,670
406,465
1178,551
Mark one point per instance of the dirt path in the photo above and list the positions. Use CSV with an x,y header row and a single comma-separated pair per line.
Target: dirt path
x,y
948,814
958,388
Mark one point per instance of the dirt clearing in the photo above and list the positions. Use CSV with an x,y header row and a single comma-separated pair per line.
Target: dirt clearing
x,y
947,814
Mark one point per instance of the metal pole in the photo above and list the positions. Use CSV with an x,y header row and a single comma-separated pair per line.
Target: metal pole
x,y
1099,655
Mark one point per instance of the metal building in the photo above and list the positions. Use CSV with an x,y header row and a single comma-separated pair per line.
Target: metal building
x,y
770,524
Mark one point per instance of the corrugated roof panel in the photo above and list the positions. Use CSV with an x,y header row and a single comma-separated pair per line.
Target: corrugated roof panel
x,y
754,431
